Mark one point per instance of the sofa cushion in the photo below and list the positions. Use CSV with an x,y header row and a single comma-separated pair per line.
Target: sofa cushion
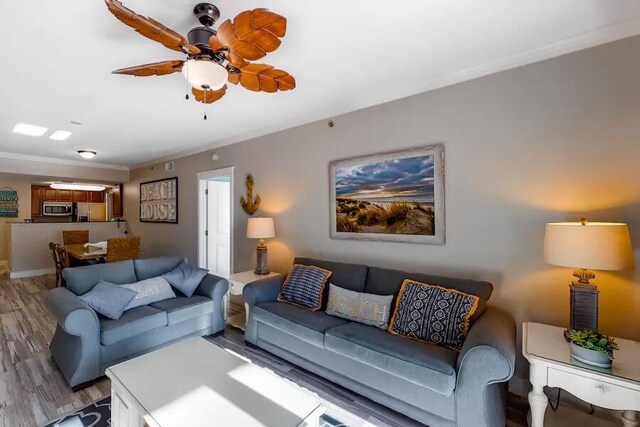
x,y
304,286
422,363
81,280
433,313
108,299
369,309
348,276
147,268
184,308
149,291
185,277
384,281
133,322
306,325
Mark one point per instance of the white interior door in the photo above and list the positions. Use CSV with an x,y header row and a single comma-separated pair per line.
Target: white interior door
x,y
219,225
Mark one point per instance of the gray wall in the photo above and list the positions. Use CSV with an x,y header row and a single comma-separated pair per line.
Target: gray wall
x,y
552,141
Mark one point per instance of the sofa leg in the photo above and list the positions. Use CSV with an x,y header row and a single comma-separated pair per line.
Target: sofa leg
x,y
82,386
217,334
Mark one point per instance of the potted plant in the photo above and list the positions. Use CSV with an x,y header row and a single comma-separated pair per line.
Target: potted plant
x,y
592,348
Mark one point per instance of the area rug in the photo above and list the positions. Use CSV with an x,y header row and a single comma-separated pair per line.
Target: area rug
x,y
99,415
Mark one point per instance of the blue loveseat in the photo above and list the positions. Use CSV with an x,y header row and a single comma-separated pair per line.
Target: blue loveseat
x,y
86,343
435,385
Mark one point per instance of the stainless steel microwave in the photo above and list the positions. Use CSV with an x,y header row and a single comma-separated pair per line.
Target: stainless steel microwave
x,y
57,208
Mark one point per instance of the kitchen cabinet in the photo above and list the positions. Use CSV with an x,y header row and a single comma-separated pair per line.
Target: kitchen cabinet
x,y
96,196
49,195
117,204
64,195
36,201
80,196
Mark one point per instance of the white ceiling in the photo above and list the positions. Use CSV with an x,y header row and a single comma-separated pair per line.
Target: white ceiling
x,y
346,55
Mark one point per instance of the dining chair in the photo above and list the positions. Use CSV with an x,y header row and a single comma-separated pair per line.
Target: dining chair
x,y
61,260
54,254
123,248
75,237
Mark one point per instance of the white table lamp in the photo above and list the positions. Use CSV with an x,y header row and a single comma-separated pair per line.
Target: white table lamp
x,y
261,228
587,245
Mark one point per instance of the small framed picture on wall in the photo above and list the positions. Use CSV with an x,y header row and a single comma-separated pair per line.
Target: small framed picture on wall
x,y
159,201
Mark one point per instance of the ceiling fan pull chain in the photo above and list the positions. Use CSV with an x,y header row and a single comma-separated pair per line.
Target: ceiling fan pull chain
x,y
205,104
186,97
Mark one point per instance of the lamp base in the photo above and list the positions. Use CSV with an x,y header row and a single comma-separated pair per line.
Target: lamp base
x,y
262,264
584,307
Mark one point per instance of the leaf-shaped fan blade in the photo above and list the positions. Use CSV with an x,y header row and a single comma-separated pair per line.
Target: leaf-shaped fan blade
x,y
155,69
151,28
265,78
209,96
215,44
253,33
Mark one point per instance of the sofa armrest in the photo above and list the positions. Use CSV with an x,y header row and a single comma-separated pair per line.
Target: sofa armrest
x,y
486,362
72,314
263,290
76,343
212,286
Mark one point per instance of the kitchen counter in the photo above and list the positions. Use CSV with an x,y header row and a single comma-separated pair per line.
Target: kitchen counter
x,y
29,242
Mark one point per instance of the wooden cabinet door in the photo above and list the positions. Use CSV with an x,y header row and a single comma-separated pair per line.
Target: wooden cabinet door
x,y
50,195
64,195
96,196
117,208
80,196
36,201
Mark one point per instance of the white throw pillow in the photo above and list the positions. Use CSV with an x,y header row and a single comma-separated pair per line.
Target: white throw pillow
x,y
149,291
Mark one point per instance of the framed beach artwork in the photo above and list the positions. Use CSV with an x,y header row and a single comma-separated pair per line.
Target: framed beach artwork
x,y
396,197
159,201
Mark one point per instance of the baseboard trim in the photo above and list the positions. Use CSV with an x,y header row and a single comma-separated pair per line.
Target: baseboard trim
x,y
31,273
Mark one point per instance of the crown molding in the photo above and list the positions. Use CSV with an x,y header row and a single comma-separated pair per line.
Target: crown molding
x,y
589,39
57,161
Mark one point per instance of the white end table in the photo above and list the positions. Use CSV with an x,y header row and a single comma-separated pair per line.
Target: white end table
x,y
237,282
551,364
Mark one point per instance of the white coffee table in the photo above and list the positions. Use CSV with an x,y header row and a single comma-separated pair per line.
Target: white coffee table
x,y
197,383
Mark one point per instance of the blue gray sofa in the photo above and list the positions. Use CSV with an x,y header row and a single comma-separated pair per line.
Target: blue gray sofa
x,y
86,343
434,385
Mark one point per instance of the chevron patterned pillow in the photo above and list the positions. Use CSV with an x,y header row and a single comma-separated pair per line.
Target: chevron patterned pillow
x,y
304,286
432,313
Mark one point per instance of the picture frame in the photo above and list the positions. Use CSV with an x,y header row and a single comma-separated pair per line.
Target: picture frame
x,y
396,196
159,201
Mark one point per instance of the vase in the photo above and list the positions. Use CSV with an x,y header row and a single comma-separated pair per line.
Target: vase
x,y
590,357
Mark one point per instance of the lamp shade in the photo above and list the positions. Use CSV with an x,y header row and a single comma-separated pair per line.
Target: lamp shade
x,y
260,228
592,245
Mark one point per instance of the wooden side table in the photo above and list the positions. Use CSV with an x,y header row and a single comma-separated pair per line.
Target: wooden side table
x,y
551,365
237,282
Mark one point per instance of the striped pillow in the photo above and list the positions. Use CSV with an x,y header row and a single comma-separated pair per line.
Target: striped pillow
x,y
305,286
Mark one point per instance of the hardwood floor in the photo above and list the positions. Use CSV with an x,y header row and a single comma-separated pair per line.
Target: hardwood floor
x,y
33,391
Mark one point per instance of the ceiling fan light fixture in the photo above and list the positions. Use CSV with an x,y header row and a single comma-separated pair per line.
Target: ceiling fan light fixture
x,y
205,74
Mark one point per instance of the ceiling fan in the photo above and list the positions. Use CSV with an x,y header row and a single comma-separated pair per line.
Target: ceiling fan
x,y
215,57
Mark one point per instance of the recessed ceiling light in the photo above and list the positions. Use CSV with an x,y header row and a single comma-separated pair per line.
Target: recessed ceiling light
x,y
60,135
86,154
81,187
30,130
